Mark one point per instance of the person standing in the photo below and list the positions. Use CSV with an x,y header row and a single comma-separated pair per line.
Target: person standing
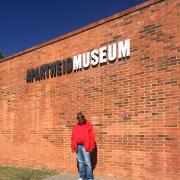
x,y
83,143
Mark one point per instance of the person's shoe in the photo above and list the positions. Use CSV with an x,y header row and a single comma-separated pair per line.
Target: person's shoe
x,y
80,179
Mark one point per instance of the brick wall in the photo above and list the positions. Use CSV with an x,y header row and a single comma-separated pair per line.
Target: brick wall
x,y
134,104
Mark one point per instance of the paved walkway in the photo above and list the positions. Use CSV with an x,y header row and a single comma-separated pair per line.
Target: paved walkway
x,y
65,176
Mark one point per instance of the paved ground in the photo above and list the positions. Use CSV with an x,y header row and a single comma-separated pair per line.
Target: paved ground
x,y
64,176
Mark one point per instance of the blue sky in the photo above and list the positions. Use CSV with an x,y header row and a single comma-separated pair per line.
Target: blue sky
x,y
25,23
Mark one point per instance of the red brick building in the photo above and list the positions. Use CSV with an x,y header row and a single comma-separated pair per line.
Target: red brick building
x,y
133,102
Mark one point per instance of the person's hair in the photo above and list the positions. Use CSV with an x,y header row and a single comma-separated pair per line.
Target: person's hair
x,y
79,115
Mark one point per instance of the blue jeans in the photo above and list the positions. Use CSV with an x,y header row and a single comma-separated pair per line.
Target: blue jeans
x,y
84,162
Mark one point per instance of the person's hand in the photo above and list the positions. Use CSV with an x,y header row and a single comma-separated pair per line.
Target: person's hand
x,y
91,150
73,151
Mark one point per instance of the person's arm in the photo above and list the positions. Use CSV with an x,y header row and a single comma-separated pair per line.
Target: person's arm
x,y
92,138
73,147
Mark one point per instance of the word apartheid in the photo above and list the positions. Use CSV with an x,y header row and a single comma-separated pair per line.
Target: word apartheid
x,y
110,53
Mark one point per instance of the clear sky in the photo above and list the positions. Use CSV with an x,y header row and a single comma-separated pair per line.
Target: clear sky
x,y
25,23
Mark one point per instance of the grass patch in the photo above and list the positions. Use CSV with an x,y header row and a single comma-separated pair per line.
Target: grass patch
x,y
16,173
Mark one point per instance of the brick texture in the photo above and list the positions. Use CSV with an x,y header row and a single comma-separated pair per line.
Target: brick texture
x,y
134,104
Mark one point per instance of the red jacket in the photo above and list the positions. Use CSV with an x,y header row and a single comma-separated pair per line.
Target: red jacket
x,y
83,134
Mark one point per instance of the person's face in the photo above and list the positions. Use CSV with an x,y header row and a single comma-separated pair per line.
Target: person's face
x,y
81,120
